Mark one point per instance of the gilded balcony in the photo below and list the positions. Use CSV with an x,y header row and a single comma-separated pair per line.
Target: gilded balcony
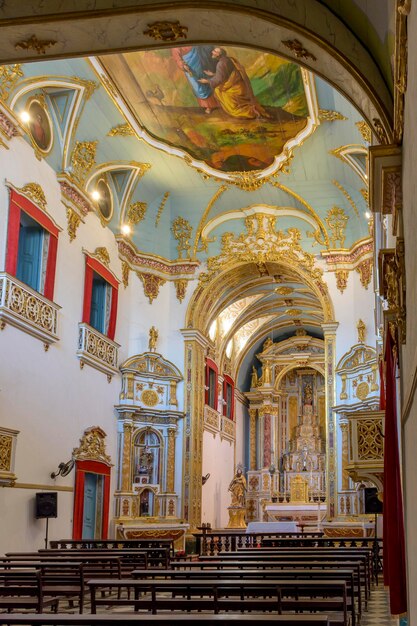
x,y
366,446
97,350
26,309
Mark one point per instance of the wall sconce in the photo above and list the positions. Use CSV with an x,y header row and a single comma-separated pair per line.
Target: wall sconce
x,y
204,479
64,469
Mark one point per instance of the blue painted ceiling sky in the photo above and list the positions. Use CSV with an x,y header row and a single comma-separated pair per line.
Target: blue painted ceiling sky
x,y
321,179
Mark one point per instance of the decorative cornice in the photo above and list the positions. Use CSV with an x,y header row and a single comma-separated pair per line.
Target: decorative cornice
x,y
168,270
9,126
71,192
351,258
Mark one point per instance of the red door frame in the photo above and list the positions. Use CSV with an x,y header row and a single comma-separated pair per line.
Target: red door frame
x,y
93,467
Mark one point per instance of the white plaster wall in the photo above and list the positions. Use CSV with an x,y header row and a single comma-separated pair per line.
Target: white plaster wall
x,y
45,395
409,350
218,460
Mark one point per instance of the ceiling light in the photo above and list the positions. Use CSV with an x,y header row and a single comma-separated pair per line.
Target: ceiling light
x,y
367,215
95,195
126,230
25,117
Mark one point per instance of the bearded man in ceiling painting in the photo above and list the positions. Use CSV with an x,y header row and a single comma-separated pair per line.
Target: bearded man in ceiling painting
x,y
193,60
232,87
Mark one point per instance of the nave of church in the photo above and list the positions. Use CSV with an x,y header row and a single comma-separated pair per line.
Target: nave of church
x,y
207,336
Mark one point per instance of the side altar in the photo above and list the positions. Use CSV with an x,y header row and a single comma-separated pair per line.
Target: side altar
x,y
149,472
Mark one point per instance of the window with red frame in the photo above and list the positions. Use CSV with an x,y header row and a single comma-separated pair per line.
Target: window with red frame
x,y
32,242
211,384
100,297
228,397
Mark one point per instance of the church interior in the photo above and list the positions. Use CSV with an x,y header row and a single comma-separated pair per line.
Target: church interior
x,y
207,336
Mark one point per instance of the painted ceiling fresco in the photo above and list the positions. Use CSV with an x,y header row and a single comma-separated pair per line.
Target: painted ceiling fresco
x,y
230,110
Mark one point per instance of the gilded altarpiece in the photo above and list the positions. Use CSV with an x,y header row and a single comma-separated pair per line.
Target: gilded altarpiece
x,y
360,425
147,498
287,430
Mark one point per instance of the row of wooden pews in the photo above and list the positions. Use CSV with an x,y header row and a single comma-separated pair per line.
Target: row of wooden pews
x,y
290,584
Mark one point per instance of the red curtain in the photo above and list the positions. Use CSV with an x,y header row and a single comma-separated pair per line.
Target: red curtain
x,y
229,381
88,289
113,313
12,238
50,267
394,548
93,467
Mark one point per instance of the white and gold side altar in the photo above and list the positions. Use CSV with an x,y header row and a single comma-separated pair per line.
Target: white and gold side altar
x,y
147,503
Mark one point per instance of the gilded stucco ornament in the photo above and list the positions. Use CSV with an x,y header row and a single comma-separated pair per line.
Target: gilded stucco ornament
x,y
151,285
121,130
92,446
347,196
180,288
364,130
161,208
336,220
40,46
364,270
298,49
341,279
9,75
83,159
166,31
380,131
34,192
326,115
125,274
136,212
73,221
102,255
182,230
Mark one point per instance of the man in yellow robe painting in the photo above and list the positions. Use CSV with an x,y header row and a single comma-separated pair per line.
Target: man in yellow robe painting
x,y
232,87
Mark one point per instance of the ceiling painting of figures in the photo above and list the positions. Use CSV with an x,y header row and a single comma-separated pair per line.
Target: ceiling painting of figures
x,y
225,110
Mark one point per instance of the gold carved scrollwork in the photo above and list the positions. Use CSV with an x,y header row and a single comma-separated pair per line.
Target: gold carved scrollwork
x,y
180,288
166,31
370,442
182,230
83,158
149,397
35,193
6,445
121,130
365,131
126,460
102,255
252,438
73,221
326,115
161,208
136,212
9,75
364,270
171,461
92,446
392,286
336,220
343,394
125,274
151,285
341,279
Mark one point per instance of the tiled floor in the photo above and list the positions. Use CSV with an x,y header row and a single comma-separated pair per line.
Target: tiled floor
x,y
378,609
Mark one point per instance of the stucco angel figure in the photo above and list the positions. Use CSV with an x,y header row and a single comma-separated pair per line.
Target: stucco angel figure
x,y
238,488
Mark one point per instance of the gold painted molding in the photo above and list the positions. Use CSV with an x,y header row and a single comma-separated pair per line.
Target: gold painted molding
x,y
40,487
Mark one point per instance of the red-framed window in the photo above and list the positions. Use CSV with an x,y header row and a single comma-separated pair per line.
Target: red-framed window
x,y
84,470
228,397
212,376
100,297
32,244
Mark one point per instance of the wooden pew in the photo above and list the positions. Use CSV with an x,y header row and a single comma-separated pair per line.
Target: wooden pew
x,y
129,559
27,594
125,619
327,596
346,575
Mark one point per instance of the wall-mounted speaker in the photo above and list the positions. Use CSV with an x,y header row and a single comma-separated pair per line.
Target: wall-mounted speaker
x,y
46,504
372,503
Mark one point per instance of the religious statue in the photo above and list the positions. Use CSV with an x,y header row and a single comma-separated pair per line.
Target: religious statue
x,y
266,374
267,343
238,489
361,331
254,379
153,338
308,394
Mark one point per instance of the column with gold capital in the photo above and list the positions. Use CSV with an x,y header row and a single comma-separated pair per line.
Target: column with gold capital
x,y
344,426
252,439
330,329
127,457
170,484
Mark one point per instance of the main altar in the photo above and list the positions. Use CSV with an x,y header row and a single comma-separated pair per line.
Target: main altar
x,y
287,477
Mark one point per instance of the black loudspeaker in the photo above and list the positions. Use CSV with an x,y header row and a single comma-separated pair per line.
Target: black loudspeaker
x,y
372,503
46,504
